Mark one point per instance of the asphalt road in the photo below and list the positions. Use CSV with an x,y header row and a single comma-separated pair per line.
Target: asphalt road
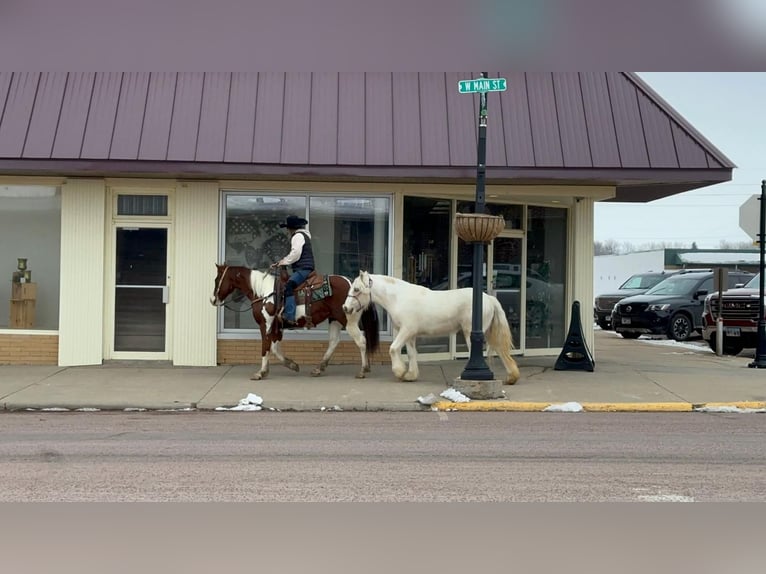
x,y
272,456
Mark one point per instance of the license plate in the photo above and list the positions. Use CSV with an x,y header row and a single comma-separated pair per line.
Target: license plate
x,y
626,320
731,331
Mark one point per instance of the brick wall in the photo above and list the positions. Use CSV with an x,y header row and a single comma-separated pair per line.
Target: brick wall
x,y
29,349
248,352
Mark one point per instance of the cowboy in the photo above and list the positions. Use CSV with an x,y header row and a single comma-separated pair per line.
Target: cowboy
x,y
301,257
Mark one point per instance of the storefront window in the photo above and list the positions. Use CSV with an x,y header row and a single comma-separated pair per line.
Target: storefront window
x,y
30,230
426,253
348,234
546,276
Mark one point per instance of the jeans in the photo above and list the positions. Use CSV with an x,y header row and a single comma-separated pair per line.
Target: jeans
x,y
298,277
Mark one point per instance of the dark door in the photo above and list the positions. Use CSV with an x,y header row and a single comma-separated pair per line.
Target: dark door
x,y
141,292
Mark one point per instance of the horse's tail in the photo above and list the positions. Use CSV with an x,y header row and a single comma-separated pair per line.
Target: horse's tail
x,y
371,329
499,338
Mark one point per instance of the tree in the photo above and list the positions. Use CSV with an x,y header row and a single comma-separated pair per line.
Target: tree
x,y
608,247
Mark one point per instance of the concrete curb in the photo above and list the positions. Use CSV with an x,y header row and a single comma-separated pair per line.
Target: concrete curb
x,y
510,406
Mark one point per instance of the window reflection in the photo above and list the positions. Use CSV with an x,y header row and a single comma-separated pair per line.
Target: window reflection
x,y
348,234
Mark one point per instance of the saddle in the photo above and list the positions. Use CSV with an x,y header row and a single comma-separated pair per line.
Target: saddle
x,y
315,288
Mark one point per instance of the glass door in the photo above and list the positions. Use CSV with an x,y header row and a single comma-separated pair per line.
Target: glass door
x,y
141,292
507,283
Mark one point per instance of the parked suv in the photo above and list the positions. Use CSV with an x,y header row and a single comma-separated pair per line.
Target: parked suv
x,y
635,285
673,307
739,314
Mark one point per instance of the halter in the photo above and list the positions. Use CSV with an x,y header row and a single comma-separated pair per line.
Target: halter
x,y
356,297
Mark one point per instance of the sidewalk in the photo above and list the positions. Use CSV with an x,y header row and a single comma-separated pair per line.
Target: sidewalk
x,y
637,375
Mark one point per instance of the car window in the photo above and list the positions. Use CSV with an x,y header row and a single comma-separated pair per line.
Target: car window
x,y
734,280
707,285
642,281
507,281
754,283
674,286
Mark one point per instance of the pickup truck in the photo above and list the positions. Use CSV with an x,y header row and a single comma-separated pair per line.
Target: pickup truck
x,y
739,313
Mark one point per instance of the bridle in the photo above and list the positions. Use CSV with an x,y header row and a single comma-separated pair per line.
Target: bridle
x,y
253,300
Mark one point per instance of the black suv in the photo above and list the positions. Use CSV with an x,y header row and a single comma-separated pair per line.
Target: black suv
x,y
673,307
635,285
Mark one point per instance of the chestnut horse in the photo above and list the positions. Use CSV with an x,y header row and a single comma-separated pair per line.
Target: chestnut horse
x,y
260,288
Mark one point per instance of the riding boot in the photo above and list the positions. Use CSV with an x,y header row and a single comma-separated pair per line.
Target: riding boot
x,y
288,315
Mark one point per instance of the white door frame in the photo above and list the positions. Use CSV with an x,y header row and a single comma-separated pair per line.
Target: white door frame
x,y
110,286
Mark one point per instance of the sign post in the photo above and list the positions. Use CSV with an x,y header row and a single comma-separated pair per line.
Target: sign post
x,y
746,218
477,368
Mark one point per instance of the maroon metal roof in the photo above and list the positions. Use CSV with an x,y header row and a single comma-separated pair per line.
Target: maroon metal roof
x,y
599,127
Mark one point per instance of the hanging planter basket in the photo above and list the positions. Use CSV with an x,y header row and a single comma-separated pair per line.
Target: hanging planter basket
x,y
478,227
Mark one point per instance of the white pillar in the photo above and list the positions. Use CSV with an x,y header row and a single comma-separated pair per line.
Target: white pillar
x,y
196,251
581,265
81,296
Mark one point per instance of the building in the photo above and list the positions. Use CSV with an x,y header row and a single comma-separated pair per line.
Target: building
x,y
121,190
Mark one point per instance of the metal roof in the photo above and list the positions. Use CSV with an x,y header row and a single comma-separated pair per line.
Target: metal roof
x,y
563,127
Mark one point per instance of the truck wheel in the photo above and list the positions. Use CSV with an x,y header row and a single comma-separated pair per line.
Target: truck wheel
x,y
729,347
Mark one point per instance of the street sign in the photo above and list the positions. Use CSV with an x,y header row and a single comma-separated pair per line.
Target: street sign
x,y
481,85
750,216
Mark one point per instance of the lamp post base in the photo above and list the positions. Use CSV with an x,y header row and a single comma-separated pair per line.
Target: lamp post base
x,y
477,369
479,390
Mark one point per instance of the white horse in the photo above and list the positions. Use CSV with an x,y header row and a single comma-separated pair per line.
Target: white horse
x,y
417,310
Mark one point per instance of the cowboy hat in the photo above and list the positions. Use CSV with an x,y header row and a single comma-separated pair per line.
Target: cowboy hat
x,y
293,222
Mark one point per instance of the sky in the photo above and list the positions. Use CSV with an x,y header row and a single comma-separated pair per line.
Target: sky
x,y
728,109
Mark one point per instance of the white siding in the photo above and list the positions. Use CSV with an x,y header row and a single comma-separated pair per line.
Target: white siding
x,y
81,312
196,252
611,271
581,267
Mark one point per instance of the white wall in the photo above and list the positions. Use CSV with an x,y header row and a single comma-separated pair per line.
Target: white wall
x,y
81,313
611,271
196,237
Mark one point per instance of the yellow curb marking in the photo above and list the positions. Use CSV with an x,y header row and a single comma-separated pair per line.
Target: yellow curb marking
x,y
511,406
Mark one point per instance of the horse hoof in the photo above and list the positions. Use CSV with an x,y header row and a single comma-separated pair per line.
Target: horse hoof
x,y
257,376
361,375
316,372
409,377
366,369
293,366
510,381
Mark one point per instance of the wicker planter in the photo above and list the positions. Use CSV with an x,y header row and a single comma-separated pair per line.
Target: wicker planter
x,y
478,227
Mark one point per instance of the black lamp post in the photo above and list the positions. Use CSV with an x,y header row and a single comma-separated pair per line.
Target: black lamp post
x,y
760,346
477,368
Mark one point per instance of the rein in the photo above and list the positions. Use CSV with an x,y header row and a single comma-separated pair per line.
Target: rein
x,y
253,301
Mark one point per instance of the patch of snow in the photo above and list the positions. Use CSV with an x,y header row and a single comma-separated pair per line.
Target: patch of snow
x,y
727,409
88,410
251,402
571,407
454,395
54,409
134,409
